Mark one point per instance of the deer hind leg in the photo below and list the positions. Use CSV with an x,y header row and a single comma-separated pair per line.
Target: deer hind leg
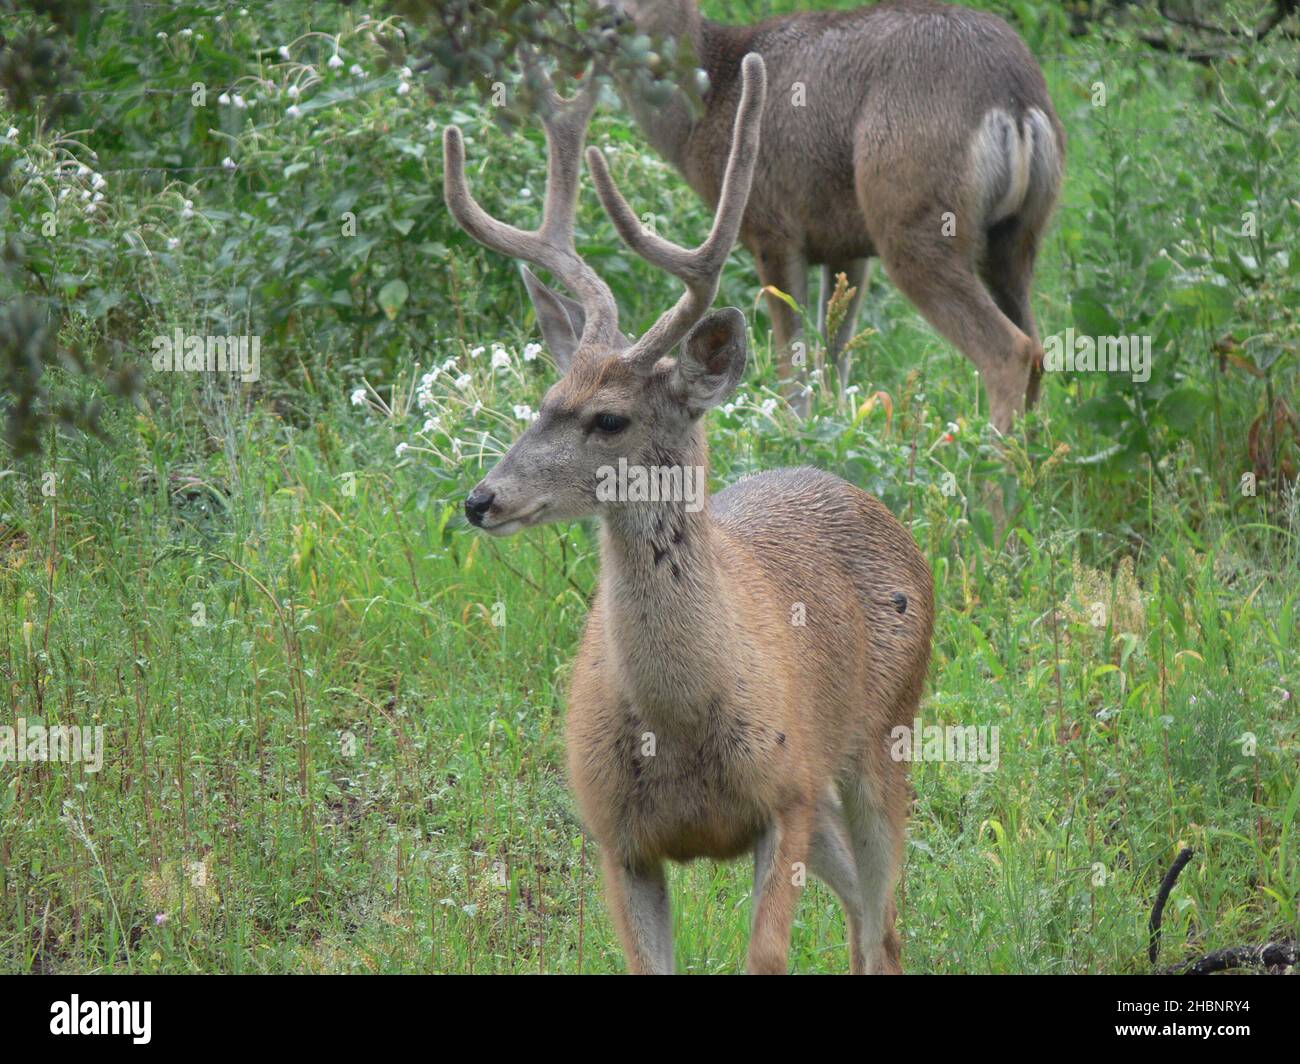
x,y
937,274
833,861
876,814
855,271
638,900
780,868
1007,269
787,271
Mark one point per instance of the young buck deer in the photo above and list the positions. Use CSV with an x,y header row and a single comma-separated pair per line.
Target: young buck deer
x,y
746,657
912,130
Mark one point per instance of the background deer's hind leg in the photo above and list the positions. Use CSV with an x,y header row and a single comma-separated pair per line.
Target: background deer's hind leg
x,y
1007,269
787,271
856,272
935,272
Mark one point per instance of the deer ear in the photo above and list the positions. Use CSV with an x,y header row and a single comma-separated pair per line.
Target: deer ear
x,y
712,360
560,319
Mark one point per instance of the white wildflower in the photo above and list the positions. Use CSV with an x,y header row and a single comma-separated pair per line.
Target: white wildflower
x,y
335,61
294,92
359,397
239,102
173,243
284,51
402,448
464,381
294,112
356,70
477,351
224,99
500,359
524,412
228,164
531,351
768,406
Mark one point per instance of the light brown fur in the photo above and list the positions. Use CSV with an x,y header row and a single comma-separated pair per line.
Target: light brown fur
x,y
754,718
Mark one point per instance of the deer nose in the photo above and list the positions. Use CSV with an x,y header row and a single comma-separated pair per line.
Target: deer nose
x,y
478,504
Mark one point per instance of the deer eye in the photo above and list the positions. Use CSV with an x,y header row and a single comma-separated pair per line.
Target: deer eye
x,y
610,424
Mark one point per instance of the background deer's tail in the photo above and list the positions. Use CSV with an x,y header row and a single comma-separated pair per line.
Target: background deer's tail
x,y
1015,165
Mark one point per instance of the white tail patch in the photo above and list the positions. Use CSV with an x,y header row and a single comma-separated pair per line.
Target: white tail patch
x,y
1008,157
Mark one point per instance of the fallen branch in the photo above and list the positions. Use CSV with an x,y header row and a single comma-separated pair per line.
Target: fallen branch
x,y
1280,10
1272,955
1158,910
1197,51
1204,56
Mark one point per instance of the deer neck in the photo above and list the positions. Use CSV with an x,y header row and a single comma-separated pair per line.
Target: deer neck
x,y
663,599
669,126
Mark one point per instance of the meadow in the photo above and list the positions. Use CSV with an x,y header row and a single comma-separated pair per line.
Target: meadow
x,y
333,714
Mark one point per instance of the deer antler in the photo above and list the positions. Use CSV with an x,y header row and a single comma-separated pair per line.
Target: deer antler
x,y
551,245
700,268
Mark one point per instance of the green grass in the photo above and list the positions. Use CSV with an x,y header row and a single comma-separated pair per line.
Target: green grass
x,y
333,715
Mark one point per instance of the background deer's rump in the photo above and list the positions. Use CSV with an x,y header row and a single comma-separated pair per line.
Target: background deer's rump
x,y
915,131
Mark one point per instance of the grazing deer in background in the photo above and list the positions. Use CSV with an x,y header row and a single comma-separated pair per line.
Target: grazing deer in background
x,y
912,130
746,657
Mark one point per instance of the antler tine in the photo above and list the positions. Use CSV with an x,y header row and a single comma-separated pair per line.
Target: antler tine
x,y
551,245
701,268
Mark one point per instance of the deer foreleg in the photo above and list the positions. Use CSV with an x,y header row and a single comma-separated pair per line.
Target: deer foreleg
x,y
778,887
638,900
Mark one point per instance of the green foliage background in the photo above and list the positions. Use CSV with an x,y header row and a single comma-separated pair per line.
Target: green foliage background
x,y
322,754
